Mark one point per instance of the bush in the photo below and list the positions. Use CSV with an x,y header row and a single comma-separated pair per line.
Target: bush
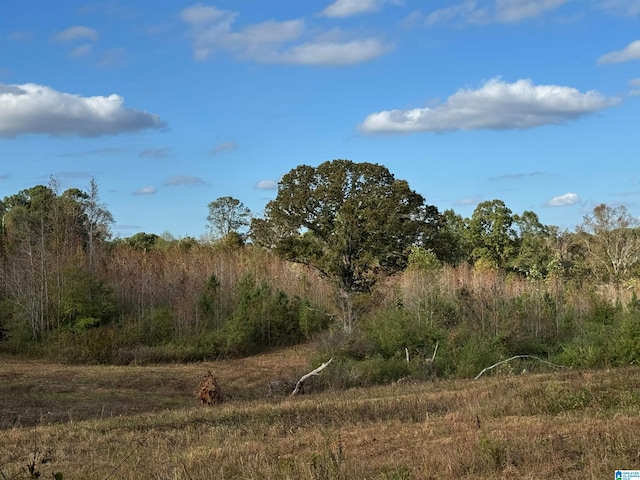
x,y
266,318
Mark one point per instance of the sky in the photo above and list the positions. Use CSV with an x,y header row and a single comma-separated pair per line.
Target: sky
x,y
171,104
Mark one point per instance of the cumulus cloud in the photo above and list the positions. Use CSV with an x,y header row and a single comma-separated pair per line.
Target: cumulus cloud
x,y
180,180
630,52
635,86
334,53
272,41
148,190
496,105
348,8
485,12
267,185
75,33
162,152
564,200
38,109
223,147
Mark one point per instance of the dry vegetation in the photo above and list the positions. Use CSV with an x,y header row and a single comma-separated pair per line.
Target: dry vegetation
x,y
145,422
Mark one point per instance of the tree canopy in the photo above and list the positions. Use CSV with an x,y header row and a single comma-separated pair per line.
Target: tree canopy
x,y
227,215
351,221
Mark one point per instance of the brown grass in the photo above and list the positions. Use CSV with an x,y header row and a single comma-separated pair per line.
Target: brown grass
x,y
144,423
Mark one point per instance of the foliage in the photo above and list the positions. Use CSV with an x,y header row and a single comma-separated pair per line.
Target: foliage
x,y
352,221
423,259
227,215
491,233
266,318
403,275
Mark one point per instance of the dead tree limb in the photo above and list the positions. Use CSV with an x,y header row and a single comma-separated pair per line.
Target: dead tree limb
x,y
433,357
513,358
300,385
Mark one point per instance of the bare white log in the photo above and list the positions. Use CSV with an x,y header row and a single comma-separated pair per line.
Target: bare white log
x,y
513,358
300,385
433,357
406,354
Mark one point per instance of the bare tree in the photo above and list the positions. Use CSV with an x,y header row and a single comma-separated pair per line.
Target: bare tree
x,y
612,240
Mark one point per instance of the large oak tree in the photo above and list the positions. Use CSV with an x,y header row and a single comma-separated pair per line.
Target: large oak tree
x,y
354,222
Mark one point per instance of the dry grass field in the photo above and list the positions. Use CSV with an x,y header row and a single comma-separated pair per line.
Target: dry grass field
x,y
98,422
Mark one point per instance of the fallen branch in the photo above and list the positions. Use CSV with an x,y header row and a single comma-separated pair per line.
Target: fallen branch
x,y
513,358
300,385
433,357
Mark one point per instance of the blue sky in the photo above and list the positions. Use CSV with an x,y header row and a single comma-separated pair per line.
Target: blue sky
x,y
172,104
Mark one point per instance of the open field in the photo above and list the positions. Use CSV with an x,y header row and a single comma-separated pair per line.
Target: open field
x,y
144,423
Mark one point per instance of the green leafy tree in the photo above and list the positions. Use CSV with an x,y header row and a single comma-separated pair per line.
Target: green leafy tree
x,y
143,241
535,240
351,221
612,240
43,234
452,243
227,215
492,234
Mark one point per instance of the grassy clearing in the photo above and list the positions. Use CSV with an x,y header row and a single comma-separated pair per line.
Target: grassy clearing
x,y
143,423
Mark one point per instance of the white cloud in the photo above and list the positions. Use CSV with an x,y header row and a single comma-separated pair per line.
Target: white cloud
x,y
178,180
223,147
334,53
203,14
271,41
75,33
451,12
267,185
148,190
512,11
628,53
564,200
348,8
629,8
38,109
635,86
499,11
495,105
81,51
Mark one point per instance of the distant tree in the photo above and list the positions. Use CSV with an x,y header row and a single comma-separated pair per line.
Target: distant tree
x,y
353,222
534,244
612,241
98,221
453,245
227,215
143,241
492,234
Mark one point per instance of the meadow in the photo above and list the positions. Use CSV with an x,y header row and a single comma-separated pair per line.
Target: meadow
x,y
145,422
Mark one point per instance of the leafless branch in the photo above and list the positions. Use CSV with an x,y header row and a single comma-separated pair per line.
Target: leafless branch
x,y
513,358
300,385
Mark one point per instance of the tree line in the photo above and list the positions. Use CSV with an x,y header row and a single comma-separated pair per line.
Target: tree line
x,y
323,256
